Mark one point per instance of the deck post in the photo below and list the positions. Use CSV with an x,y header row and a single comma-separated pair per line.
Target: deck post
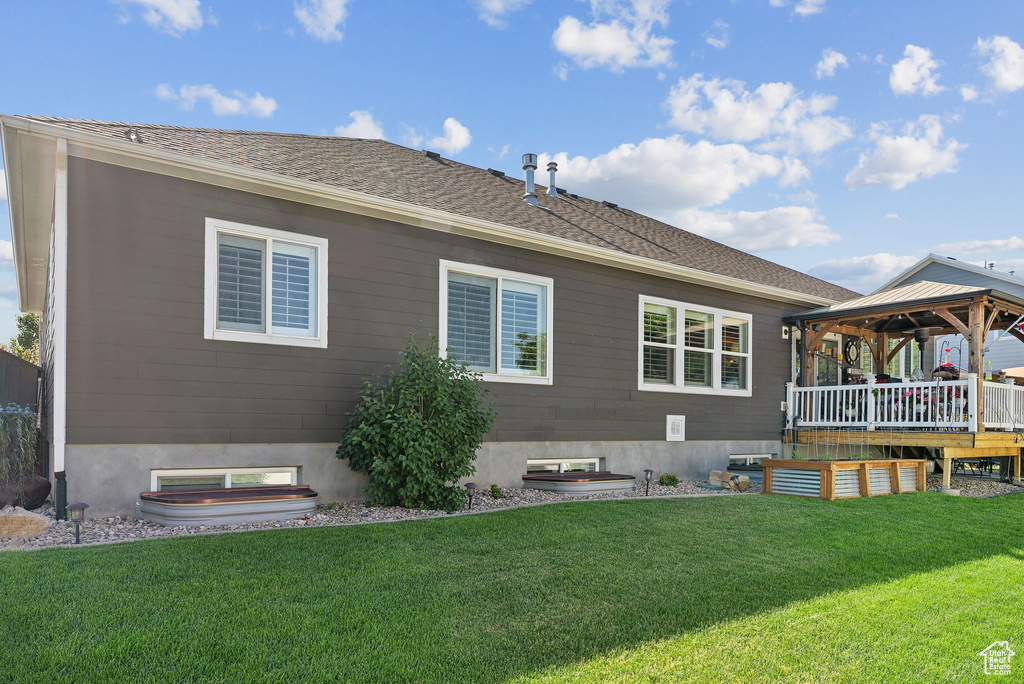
x,y
973,401
1016,467
947,468
976,343
870,399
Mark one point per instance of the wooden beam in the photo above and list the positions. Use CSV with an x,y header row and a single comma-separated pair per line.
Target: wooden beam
x,y
976,342
991,319
1016,333
896,350
953,321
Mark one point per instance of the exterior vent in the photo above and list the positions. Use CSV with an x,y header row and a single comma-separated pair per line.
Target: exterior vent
x,y
529,166
675,428
432,155
496,172
610,205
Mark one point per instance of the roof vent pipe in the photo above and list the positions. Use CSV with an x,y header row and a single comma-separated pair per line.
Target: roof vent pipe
x,y
530,165
552,190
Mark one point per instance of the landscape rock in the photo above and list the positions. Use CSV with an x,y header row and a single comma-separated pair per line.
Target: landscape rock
x,y
34,494
17,523
727,480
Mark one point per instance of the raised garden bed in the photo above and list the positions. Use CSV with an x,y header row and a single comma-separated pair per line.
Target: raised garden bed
x,y
830,480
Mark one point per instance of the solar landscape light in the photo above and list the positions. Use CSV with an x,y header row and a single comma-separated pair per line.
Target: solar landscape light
x,y
648,474
471,490
77,511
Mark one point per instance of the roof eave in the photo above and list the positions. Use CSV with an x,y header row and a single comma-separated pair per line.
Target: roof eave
x,y
134,155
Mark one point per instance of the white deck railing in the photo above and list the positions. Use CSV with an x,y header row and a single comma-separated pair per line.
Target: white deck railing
x,y
937,405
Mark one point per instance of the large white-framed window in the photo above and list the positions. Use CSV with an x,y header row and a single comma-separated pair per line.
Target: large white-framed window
x,y
562,465
497,322
180,479
264,285
693,349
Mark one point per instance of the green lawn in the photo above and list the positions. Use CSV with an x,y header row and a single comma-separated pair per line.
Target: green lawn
x,y
753,588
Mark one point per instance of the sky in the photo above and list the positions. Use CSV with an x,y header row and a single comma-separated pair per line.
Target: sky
x,y
844,139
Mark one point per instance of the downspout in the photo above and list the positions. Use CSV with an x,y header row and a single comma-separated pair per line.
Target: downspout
x,y
60,326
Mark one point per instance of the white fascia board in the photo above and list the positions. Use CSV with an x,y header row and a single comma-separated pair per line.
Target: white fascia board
x,y
146,158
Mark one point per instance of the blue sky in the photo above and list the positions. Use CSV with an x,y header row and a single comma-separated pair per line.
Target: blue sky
x,y
844,139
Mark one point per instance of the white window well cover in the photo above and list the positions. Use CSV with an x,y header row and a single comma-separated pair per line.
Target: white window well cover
x,y
497,322
265,285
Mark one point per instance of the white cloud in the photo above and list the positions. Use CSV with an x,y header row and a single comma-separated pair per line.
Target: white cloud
x,y
322,18
504,151
969,93
455,139
660,176
893,217
624,39
1005,68
759,231
495,12
3,186
774,113
863,273
794,172
173,17
974,246
6,253
562,71
897,160
915,73
804,8
718,35
237,104
363,125
808,7
830,61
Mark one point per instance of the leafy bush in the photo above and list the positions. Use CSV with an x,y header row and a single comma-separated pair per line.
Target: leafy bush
x,y
17,446
495,491
415,433
668,480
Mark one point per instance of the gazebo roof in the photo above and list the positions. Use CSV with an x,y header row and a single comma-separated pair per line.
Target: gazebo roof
x,y
923,295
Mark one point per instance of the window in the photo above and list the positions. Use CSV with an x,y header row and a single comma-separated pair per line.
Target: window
x,y
227,478
554,465
688,348
263,285
497,322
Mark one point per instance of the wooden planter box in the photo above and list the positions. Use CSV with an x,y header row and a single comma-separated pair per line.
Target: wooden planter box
x,y
831,480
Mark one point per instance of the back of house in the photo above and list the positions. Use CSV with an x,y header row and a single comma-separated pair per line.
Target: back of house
x,y
212,301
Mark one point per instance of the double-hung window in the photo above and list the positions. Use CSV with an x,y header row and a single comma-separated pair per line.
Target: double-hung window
x,y
264,285
497,322
689,348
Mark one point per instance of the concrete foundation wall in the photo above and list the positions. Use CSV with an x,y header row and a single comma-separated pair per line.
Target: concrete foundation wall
x,y
110,477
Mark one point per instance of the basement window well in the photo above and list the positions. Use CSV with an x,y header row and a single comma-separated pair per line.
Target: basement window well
x,y
206,478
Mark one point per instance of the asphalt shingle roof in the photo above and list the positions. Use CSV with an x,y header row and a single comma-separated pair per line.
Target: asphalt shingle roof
x,y
384,169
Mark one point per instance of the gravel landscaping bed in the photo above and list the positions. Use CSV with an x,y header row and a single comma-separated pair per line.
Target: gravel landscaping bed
x,y
979,488
128,528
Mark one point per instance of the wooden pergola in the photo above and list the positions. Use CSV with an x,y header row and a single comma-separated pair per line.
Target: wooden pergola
x,y
899,314
896,314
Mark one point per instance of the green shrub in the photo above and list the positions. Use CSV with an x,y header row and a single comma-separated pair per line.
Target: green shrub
x,y
415,432
668,480
495,491
17,446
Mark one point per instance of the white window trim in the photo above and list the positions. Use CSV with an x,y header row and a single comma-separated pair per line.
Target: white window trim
x,y
716,353
548,283
215,227
155,475
559,461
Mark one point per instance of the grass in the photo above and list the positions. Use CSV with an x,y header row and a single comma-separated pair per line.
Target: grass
x,y
755,588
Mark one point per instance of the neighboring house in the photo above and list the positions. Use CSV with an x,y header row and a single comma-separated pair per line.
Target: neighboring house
x,y
1004,351
212,301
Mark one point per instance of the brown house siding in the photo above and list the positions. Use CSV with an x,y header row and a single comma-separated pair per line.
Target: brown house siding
x,y
140,371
